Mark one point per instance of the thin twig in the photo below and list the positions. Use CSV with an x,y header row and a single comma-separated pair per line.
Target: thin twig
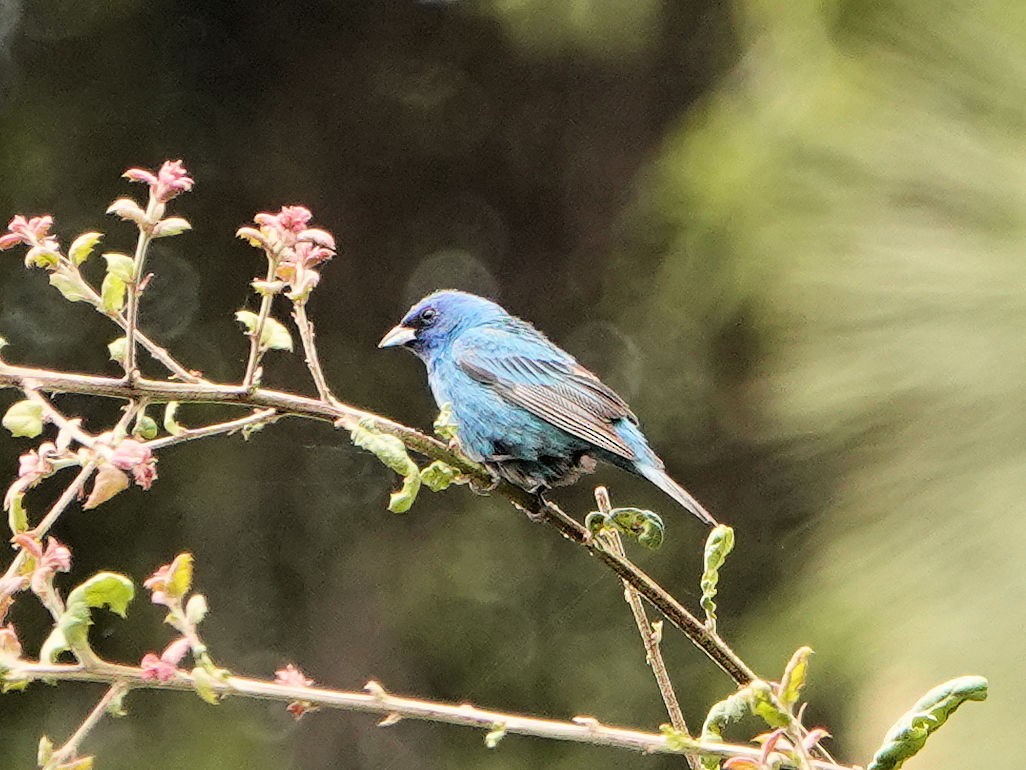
x,y
256,348
69,750
53,415
67,497
313,362
135,290
159,353
377,701
653,654
346,416
261,417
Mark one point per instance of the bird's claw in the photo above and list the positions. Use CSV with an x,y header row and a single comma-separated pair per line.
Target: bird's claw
x,y
483,488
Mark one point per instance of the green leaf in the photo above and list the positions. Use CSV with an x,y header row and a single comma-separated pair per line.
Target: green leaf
x,y
203,682
120,266
179,576
170,226
595,522
105,589
274,335
84,763
17,516
37,256
646,526
794,677
112,293
24,418
719,544
675,739
82,247
908,735
720,715
766,705
145,427
116,349
70,287
438,476
170,424
116,707
444,426
496,734
392,452
44,752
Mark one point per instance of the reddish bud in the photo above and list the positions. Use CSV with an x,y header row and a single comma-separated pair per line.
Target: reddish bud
x,y
10,647
56,557
290,676
155,669
169,182
175,651
135,456
31,232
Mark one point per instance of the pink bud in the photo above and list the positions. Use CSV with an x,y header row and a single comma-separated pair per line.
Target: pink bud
x,y
140,175
29,545
291,676
56,557
10,647
130,452
175,651
155,669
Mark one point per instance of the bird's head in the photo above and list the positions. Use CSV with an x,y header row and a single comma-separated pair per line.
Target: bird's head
x,y
438,319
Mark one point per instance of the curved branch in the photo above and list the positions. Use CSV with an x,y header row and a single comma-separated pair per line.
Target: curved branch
x,y
393,708
345,416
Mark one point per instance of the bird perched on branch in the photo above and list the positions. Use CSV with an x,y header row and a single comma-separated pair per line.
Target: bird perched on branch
x,y
522,406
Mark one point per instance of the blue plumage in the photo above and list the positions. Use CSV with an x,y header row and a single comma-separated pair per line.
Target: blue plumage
x,y
522,406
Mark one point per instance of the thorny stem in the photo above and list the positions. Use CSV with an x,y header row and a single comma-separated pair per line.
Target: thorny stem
x,y
135,292
53,415
256,349
346,416
261,417
69,750
376,700
653,655
159,353
313,362
67,498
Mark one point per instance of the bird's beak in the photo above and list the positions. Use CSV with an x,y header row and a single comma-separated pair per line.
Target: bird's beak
x,y
400,335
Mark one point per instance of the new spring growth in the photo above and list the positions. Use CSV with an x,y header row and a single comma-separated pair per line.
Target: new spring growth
x,y
294,250
290,676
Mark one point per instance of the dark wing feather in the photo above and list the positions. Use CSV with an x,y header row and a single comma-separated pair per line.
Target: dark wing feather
x,y
561,392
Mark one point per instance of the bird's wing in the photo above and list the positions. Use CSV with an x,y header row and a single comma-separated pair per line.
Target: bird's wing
x,y
536,376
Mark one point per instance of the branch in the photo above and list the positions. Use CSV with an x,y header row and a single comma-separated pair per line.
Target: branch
x,y
313,362
649,636
343,415
135,290
377,701
69,750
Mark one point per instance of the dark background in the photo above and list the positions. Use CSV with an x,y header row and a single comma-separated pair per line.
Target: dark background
x,y
789,235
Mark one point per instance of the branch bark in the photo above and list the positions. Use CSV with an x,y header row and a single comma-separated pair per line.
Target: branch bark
x,y
346,416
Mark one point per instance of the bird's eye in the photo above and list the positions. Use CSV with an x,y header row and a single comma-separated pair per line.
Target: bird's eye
x,y
428,315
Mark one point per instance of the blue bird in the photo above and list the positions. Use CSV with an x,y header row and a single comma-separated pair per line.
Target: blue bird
x,y
522,406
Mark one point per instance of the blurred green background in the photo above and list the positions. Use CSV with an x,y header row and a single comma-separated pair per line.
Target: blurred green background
x,y
789,233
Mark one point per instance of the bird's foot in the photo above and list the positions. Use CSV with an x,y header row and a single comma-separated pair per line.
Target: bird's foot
x,y
536,512
483,488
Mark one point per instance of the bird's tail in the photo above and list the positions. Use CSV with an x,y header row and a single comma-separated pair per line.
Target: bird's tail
x,y
658,477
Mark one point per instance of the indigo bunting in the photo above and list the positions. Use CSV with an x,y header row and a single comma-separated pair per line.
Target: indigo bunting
x,y
522,406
